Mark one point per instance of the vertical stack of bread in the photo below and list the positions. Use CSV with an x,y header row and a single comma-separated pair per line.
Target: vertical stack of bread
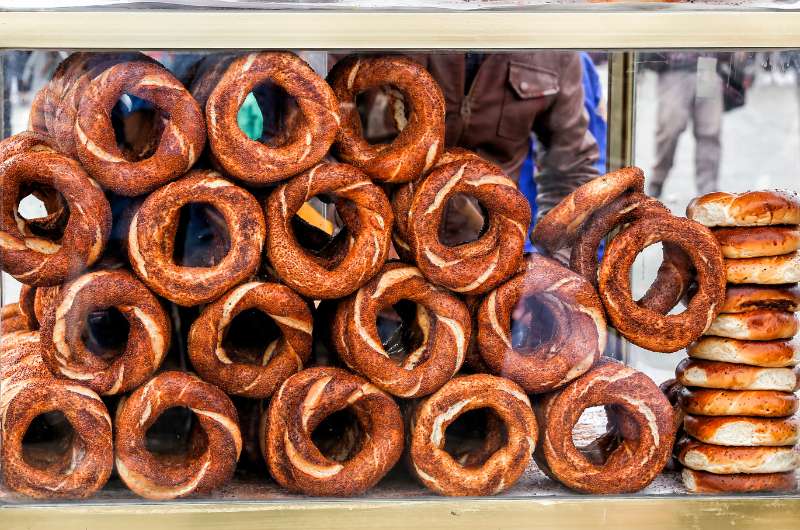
x,y
739,379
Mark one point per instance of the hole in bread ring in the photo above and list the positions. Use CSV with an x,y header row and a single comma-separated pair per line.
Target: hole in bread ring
x,y
645,327
301,405
211,456
421,138
502,459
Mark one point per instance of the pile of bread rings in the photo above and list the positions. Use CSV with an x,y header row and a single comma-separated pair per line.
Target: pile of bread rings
x,y
736,388
517,337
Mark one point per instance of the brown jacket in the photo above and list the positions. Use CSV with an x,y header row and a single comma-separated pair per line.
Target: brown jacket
x,y
512,95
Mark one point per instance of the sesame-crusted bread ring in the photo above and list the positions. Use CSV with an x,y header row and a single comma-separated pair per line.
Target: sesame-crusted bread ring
x,y
752,208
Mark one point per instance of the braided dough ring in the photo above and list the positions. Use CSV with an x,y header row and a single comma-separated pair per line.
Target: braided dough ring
x,y
645,327
66,353
758,241
768,270
181,141
444,321
307,143
743,298
562,224
152,233
437,470
282,357
763,403
703,482
727,460
574,345
29,390
301,404
421,138
213,458
645,421
759,324
673,276
712,374
752,208
743,430
481,265
38,261
366,213
769,354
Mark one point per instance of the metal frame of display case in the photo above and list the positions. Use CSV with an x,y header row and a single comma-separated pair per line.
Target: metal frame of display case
x,y
620,32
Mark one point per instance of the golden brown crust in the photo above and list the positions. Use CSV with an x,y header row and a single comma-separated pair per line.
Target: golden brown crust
x,y
561,225
12,320
152,233
703,482
576,342
301,404
282,358
768,353
307,143
30,390
642,415
752,208
27,306
713,402
421,138
443,320
481,265
209,465
66,353
770,270
24,142
759,324
728,460
437,470
758,241
742,298
366,212
645,327
712,374
36,260
178,148
742,431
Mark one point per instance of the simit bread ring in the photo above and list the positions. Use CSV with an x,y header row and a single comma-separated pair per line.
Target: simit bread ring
x,y
645,422
66,352
758,241
562,224
712,374
307,142
673,276
491,472
36,260
444,321
759,324
768,270
152,233
769,354
727,460
283,356
216,442
421,138
575,343
742,298
84,464
366,213
645,327
752,208
763,403
703,482
301,404
36,116
178,148
481,265
743,430
12,320
24,142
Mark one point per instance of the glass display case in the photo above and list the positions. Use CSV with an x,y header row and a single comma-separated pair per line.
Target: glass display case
x,y
350,264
